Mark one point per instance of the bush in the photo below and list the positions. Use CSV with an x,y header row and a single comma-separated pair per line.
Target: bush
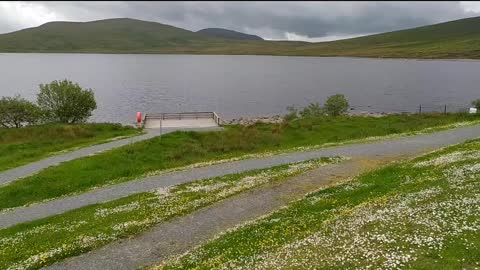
x,y
312,110
292,113
336,105
476,104
17,111
66,102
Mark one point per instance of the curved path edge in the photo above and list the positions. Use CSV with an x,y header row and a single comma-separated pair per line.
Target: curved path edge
x,y
177,236
34,167
413,145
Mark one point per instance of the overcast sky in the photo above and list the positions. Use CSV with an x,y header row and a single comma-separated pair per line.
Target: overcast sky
x,y
309,21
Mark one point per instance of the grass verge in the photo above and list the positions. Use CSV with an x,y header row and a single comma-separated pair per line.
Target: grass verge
x,y
23,145
186,148
42,242
420,214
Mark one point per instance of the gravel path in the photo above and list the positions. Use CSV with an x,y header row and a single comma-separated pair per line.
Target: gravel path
x,y
181,234
400,146
34,167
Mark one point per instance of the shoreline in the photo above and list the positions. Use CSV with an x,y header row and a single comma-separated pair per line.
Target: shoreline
x,y
271,55
275,119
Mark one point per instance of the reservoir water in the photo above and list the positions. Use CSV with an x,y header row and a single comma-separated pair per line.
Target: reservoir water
x,y
236,86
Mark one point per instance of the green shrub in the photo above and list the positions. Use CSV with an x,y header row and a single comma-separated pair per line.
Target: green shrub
x,y
17,112
336,105
312,110
292,113
66,102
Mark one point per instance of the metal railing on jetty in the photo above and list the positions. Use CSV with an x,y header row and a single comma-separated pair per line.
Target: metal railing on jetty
x,y
183,116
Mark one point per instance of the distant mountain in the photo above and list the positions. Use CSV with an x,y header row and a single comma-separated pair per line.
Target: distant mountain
x,y
228,34
455,39
112,35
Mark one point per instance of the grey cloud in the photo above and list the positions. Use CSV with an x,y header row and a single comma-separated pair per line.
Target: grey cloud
x,y
272,19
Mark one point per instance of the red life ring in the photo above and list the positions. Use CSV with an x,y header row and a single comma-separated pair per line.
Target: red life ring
x,y
139,117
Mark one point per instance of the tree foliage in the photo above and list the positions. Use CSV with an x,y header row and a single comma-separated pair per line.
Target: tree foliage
x,y
336,105
17,112
292,113
312,110
66,102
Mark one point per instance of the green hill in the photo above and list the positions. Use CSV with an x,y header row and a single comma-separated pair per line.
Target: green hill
x,y
455,39
110,35
226,33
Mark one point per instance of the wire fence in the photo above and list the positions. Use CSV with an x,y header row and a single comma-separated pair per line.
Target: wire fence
x,y
420,108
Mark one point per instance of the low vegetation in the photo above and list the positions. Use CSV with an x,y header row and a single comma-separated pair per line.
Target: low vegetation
x,y
420,214
186,148
312,110
42,242
335,105
24,145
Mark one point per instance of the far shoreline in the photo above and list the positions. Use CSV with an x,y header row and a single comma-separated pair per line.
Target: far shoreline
x,y
269,55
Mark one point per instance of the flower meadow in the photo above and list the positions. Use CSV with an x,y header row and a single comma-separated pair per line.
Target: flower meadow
x,y
36,244
419,214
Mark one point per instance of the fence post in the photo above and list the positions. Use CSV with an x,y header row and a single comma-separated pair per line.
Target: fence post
x,y
445,110
420,109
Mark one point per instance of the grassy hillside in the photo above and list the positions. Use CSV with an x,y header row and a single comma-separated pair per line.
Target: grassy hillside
x,y
111,35
229,34
455,39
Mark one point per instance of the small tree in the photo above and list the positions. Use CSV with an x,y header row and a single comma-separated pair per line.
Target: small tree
x,y
312,110
66,102
292,113
16,112
336,105
476,104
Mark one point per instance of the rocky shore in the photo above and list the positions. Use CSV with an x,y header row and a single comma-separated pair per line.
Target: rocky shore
x,y
371,114
246,121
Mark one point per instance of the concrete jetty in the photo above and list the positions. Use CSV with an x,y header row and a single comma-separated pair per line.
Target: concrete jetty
x,y
184,120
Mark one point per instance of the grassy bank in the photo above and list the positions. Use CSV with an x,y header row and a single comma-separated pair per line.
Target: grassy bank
x,y
42,242
184,148
421,214
24,145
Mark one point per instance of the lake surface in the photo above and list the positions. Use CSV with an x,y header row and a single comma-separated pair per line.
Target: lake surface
x,y
237,86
